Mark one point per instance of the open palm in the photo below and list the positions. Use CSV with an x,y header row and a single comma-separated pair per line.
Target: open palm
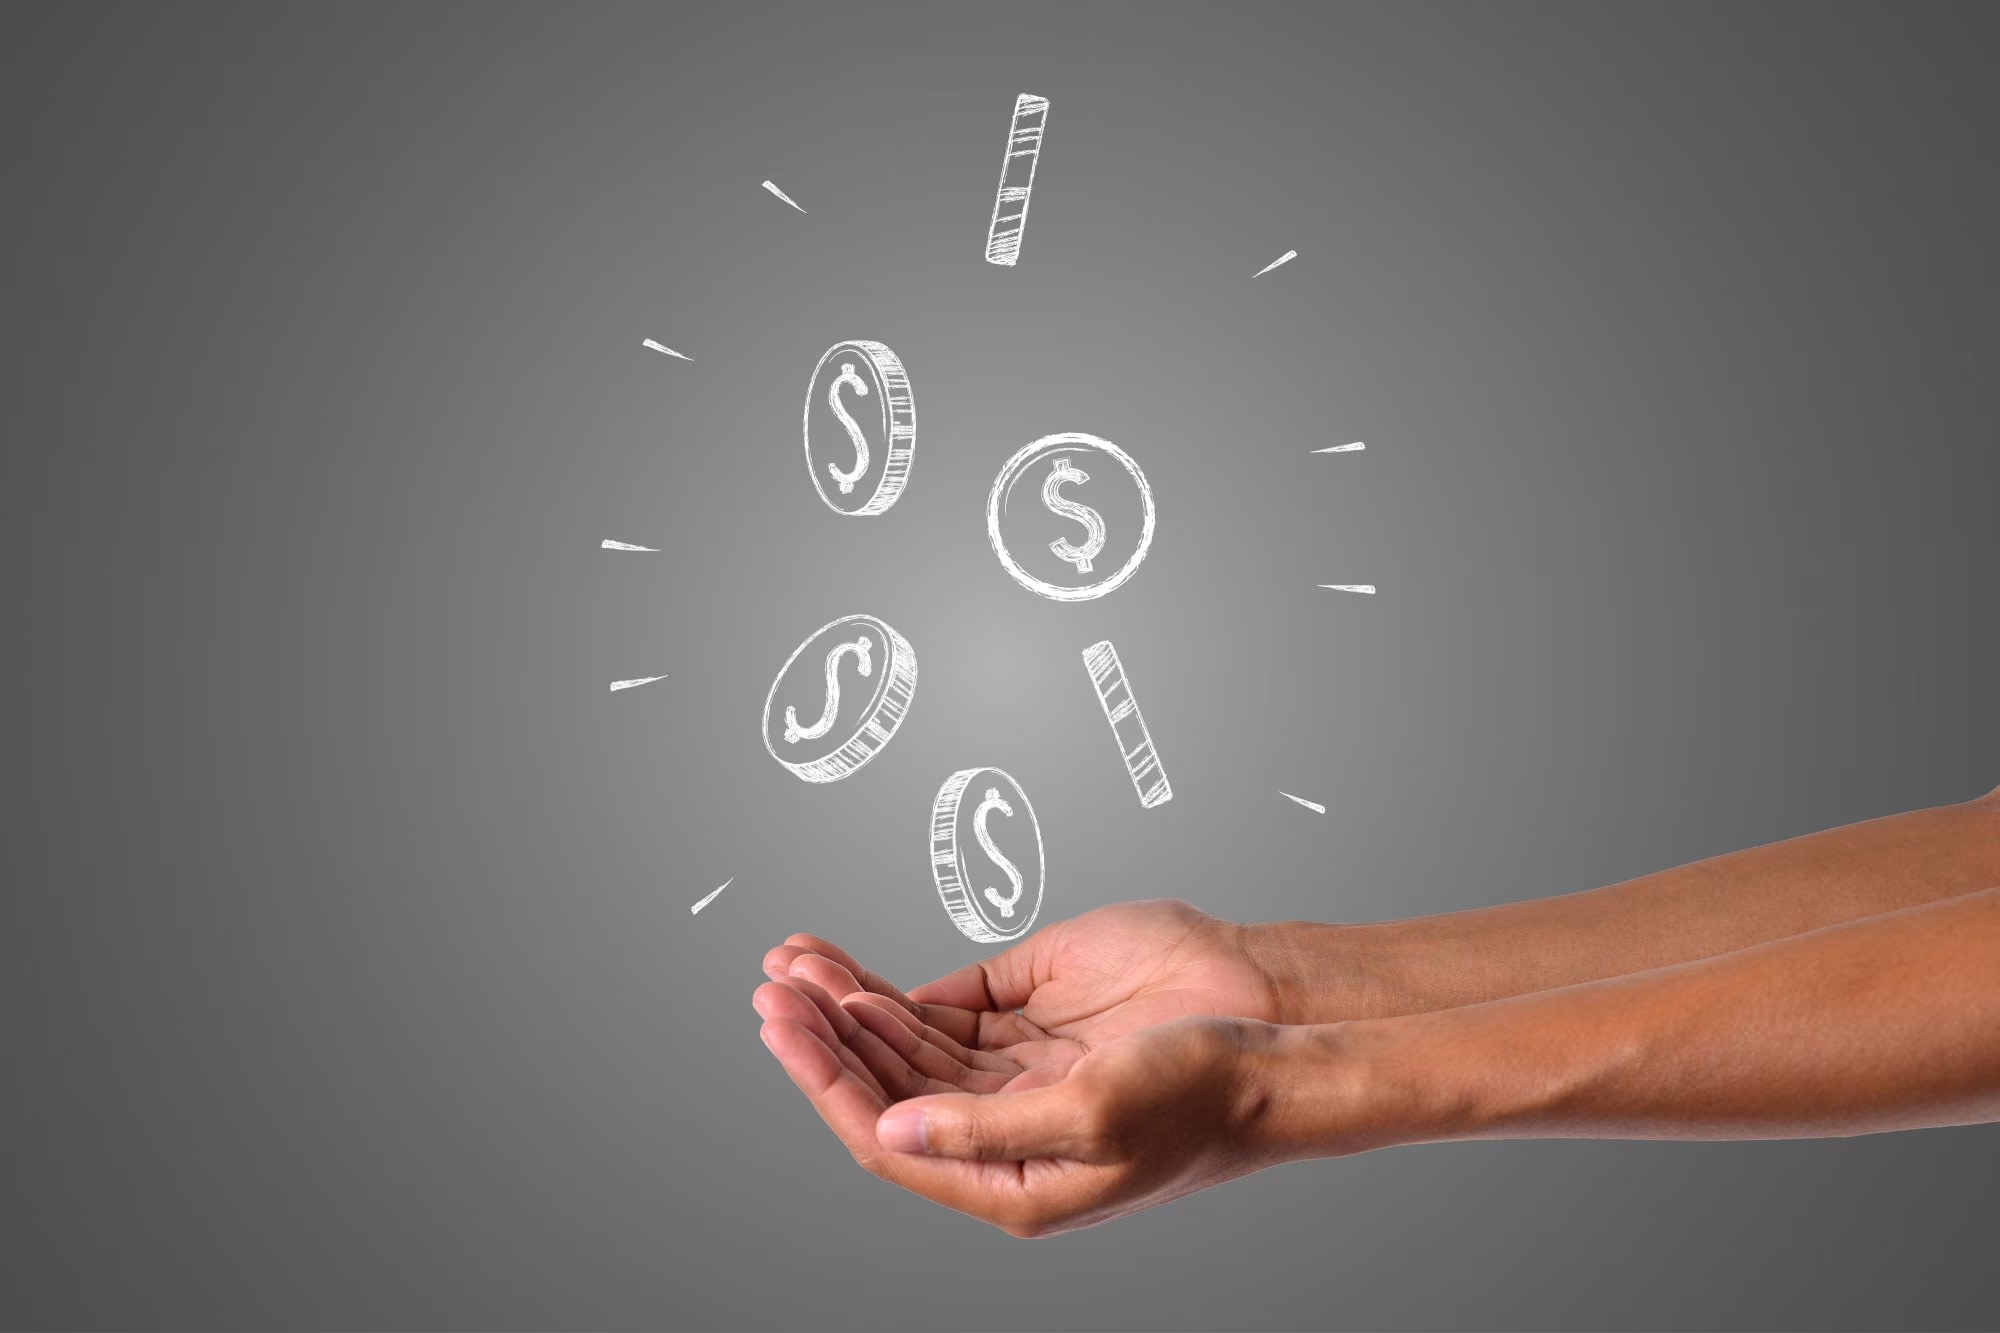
x,y
1022,1018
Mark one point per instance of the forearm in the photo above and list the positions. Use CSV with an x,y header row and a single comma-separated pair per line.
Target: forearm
x,y
1327,973
1891,1022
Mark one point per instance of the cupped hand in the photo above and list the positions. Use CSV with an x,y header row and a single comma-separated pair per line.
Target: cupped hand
x,y
1061,1012
1140,1120
1069,987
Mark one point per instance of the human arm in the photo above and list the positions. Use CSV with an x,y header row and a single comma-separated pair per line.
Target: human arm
x,y
1890,1022
1325,973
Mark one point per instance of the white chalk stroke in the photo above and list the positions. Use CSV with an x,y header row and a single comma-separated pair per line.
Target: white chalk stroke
x,y
859,463
658,347
854,678
1070,478
1017,179
617,685
1128,727
696,909
1313,806
1356,447
1350,587
610,545
782,195
1284,258
994,893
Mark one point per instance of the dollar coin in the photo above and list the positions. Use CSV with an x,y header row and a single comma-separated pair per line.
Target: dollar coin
x,y
1070,516
986,855
860,427
839,698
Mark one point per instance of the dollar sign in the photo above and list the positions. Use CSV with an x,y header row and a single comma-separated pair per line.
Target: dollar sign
x,y
1080,556
794,733
847,479
987,807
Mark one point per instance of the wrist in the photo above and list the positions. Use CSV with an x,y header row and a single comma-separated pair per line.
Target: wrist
x,y
1335,1089
1321,973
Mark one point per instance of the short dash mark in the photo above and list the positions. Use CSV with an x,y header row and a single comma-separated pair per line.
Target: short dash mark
x,y
1284,258
788,199
610,545
628,684
668,350
1349,587
1313,806
711,897
1354,448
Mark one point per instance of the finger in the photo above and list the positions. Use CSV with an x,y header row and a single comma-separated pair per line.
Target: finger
x,y
872,982
849,1107
1007,1029
828,975
850,1110
944,1041
925,1058
896,1075
1004,981
775,1000
778,962
1005,1126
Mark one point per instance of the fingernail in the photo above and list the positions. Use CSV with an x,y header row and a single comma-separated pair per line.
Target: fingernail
x,y
901,1131
764,1034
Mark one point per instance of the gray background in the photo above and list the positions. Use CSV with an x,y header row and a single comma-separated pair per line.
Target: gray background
x,y
350,979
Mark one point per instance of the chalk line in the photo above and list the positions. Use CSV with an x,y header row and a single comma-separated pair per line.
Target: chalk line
x,y
788,199
711,897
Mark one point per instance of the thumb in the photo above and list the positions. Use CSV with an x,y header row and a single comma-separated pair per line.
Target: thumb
x,y
997,1126
994,985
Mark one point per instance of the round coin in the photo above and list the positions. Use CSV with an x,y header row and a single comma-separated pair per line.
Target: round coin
x,y
1070,516
986,855
860,427
839,698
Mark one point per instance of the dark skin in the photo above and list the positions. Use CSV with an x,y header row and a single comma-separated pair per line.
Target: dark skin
x,y
1841,983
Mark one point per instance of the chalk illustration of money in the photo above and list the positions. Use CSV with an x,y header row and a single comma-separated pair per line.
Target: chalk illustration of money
x,y
1017,179
1128,726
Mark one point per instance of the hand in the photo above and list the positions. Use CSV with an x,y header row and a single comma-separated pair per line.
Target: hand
x,y
1141,1120
856,1044
1078,984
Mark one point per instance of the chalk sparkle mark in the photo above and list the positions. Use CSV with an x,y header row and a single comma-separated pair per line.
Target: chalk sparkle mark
x,y
711,897
782,195
1284,258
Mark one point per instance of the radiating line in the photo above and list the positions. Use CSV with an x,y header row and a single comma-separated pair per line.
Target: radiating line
x,y
668,350
782,195
1349,587
628,684
1356,447
1284,258
1313,806
711,897
610,545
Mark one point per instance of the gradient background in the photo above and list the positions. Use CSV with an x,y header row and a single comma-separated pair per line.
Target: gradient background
x,y
350,980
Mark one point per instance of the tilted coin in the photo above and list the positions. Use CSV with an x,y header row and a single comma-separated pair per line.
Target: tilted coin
x,y
839,698
1128,725
1070,516
860,427
986,855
